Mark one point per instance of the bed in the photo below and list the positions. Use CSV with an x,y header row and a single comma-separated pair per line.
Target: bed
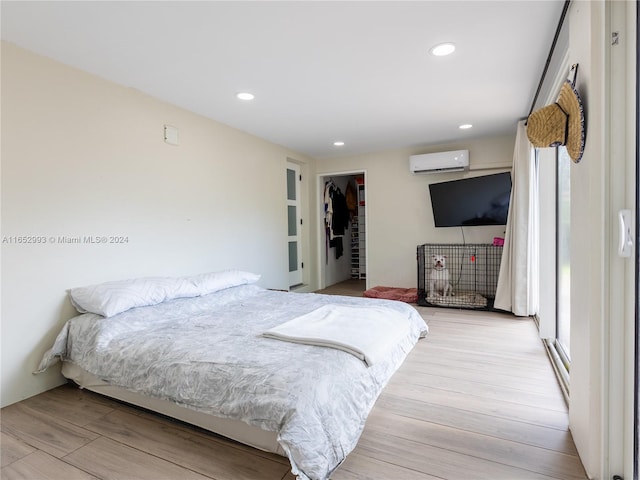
x,y
197,349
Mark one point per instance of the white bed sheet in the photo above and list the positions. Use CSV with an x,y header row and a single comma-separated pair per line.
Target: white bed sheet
x,y
208,354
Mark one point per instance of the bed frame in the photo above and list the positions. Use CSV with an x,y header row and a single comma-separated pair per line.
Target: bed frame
x,y
233,429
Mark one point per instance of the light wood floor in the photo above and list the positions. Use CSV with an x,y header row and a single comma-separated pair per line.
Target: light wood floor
x,y
351,287
476,399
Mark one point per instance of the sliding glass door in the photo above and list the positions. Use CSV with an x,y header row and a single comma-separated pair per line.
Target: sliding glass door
x,y
563,259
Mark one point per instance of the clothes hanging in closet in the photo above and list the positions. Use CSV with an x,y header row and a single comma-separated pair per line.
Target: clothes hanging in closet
x,y
336,217
351,195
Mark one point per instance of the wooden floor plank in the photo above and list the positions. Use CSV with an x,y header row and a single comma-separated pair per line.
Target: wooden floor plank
x,y
512,430
527,457
110,460
42,466
179,445
459,364
210,436
12,449
361,467
45,432
531,397
472,403
439,462
75,405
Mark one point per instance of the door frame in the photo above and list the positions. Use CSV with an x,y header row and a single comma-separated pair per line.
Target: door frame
x,y
620,369
321,231
634,462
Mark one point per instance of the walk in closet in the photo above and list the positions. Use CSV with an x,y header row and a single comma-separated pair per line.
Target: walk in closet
x,y
344,226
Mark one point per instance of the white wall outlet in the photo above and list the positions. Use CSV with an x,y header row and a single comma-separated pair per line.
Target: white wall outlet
x,y
171,135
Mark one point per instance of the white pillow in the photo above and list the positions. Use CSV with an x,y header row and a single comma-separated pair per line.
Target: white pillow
x,y
212,282
110,298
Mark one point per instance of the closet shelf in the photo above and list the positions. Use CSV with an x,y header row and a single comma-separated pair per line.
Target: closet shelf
x,y
358,245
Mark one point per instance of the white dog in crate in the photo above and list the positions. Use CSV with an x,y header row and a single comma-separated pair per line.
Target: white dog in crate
x,y
439,279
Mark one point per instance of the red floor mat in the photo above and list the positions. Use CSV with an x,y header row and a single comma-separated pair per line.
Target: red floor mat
x,y
408,295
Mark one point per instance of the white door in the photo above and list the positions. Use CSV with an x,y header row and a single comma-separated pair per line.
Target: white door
x,y
294,224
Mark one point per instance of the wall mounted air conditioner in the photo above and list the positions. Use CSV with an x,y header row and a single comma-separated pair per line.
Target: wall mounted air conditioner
x,y
455,161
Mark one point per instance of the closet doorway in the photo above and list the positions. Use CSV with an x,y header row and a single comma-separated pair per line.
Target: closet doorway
x,y
343,231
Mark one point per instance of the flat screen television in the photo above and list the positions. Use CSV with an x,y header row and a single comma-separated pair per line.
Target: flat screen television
x,y
472,201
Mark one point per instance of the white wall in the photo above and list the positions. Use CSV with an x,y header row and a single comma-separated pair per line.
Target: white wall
x,y
85,157
399,215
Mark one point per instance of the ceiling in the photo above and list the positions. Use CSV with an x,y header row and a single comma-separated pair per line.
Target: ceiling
x,y
321,71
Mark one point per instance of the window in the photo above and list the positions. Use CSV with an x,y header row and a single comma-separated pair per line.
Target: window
x,y
563,256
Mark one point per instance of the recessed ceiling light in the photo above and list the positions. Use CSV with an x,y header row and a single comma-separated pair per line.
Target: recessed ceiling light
x,y
338,144
443,49
245,96
465,126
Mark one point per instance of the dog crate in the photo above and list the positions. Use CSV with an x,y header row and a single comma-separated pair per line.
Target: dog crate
x,y
471,271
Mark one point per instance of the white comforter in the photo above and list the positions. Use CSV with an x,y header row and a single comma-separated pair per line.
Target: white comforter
x,y
208,353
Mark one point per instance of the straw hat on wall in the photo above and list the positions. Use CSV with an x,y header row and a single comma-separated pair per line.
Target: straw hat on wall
x,y
561,123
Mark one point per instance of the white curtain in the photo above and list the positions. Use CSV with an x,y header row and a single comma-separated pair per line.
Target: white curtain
x,y
517,289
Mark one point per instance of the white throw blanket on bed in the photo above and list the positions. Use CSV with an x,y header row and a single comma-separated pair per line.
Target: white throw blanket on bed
x,y
366,333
